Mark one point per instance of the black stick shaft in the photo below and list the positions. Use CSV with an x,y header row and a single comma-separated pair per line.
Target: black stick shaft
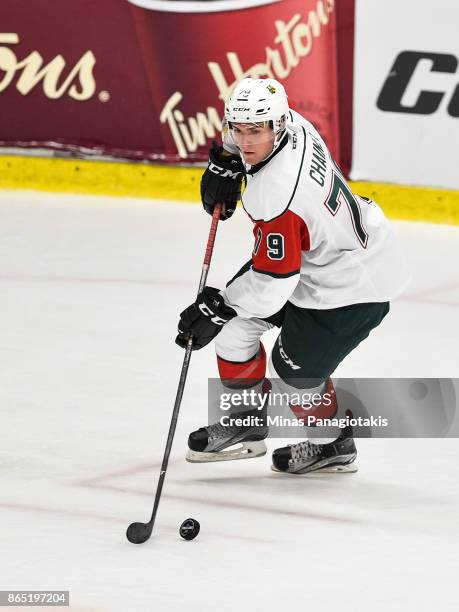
x,y
184,372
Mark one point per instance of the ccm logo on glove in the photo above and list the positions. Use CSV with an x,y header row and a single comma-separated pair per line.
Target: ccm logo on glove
x,y
223,172
206,311
204,319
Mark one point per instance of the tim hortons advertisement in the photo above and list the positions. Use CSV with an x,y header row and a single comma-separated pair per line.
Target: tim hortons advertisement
x,y
406,93
147,78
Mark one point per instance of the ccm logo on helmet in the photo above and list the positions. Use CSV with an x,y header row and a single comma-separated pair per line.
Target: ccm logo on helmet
x,y
224,172
400,75
240,109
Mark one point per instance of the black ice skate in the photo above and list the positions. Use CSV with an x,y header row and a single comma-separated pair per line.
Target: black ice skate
x,y
305,457
216,442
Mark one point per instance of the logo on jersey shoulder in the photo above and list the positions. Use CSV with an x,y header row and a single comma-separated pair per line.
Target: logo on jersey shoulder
x,y
428,101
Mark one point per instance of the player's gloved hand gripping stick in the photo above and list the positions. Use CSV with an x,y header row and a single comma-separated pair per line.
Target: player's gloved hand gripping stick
x,y
222,181
204,319
137,533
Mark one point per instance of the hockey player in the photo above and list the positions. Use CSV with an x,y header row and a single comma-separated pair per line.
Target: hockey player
x,y
324,266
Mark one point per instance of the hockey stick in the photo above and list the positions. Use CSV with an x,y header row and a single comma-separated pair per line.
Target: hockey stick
x,y
137,533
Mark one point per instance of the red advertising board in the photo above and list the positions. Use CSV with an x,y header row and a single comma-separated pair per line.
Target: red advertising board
x,y
146,79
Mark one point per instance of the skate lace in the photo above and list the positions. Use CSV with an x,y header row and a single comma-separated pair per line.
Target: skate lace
x,y
304,450
216,431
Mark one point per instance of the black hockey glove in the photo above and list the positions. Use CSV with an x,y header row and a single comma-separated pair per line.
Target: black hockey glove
x,y
221,182
204,319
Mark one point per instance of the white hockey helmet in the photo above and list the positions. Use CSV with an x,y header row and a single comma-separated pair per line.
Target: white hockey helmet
x,y
259,101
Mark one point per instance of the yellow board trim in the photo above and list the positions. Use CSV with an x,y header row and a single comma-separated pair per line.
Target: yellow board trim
x,y
412,203
146,180
100,177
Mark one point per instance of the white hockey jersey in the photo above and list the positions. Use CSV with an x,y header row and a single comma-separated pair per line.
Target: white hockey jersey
x,y
317,244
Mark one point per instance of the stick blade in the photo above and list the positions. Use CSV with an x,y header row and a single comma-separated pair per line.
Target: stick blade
x,y
138,533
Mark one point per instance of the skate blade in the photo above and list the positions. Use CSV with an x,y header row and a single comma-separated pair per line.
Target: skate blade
x,y
350,468
247,450
336,469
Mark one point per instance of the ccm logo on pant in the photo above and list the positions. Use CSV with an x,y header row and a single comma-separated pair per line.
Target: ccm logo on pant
x,y
428,101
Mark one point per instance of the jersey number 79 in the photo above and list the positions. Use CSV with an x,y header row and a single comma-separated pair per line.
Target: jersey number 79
x,y
274,245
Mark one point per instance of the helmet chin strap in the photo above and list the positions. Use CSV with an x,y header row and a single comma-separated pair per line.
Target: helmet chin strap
x,y
277,139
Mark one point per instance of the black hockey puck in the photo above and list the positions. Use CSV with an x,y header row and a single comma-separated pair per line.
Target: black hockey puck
x,y
189,529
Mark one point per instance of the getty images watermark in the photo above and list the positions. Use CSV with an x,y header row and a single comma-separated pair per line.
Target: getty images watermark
x,y
252,401
384,408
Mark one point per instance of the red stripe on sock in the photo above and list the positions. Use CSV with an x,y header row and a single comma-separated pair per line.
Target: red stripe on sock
x,y
237,374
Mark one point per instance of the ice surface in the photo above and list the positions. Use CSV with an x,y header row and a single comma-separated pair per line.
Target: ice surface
x,y
90,293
